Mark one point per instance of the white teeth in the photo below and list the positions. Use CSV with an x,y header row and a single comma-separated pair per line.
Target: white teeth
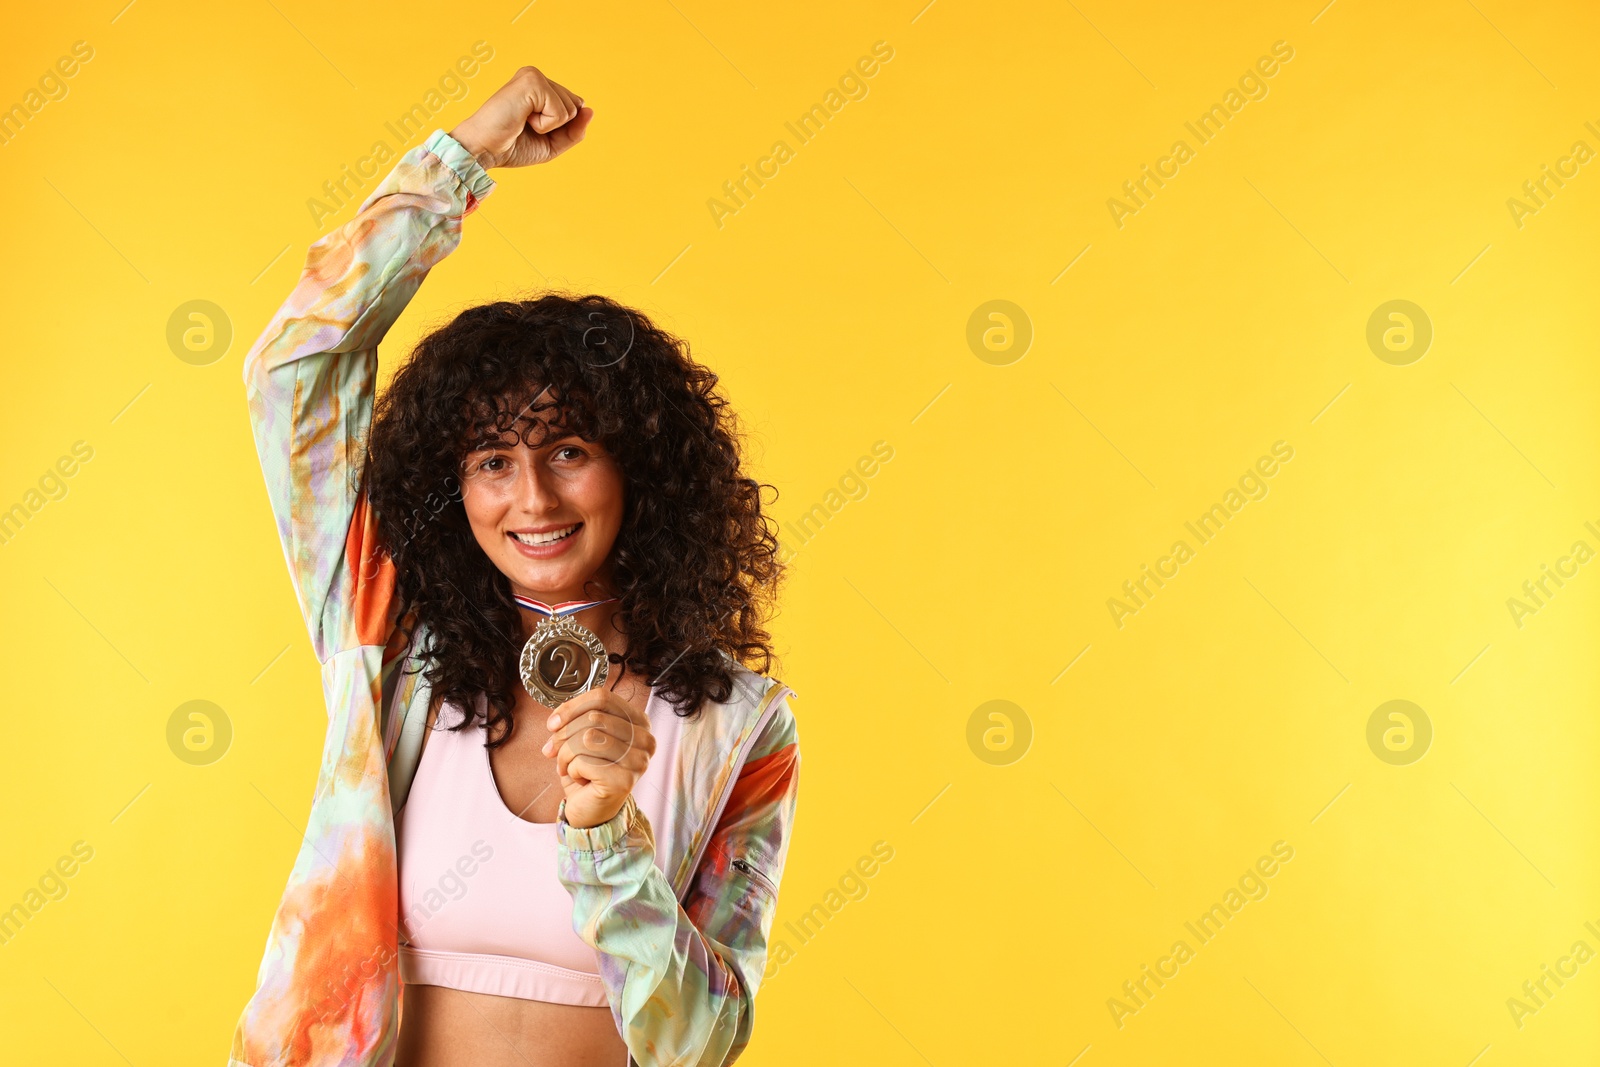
x,y
546,538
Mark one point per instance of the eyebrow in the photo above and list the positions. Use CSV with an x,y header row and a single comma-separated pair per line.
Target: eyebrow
x,y
484,446
501,445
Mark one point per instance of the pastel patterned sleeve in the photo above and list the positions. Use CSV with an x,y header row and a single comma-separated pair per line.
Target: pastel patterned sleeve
x,y
327,989
311,376
682,979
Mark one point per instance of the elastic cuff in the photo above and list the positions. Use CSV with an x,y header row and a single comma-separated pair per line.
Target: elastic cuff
x,y
596,838
459,160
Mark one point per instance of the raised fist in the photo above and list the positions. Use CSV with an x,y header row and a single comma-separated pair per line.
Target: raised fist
x,y
530,119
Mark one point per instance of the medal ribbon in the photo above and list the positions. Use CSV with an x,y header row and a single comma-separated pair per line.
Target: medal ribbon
x,y
551,612
557,611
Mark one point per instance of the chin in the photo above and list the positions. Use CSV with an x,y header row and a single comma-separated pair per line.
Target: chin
x,y
565,575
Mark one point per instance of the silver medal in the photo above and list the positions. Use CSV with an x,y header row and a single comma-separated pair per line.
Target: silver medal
x,y
562,659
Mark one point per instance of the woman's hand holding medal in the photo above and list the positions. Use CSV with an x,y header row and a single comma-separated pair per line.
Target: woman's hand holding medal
x,y
602,745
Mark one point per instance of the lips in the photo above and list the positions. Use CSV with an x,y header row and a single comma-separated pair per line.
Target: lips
x,y
545,537
548,543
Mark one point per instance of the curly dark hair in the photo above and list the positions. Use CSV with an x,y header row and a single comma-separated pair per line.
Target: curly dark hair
x,y
695,563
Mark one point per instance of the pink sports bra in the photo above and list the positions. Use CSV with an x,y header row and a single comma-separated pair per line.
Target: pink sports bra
x,y
481,906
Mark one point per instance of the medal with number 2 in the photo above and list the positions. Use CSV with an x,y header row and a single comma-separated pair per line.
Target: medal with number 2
x,y
563,657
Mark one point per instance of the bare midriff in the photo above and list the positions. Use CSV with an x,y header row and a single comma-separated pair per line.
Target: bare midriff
x,y
442,1027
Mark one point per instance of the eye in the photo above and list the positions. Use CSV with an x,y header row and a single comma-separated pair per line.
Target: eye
x,y
570,453
490,464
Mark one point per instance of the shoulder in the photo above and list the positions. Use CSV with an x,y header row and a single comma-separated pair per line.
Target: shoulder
x,y
760,694
754,721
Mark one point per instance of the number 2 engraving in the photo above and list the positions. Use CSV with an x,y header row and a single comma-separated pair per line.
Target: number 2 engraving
x,y
565,660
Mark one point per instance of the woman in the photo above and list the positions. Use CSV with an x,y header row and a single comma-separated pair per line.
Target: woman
x,y
537,880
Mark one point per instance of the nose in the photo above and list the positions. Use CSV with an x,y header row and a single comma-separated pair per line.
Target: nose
x,y
535,491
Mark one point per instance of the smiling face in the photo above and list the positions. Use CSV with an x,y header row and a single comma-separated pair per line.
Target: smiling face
x,y
546,515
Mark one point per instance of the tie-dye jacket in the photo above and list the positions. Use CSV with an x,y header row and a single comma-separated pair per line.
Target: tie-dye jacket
x,y
681,957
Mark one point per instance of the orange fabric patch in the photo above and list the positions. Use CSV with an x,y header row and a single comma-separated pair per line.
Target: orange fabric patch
x,y
347,939
763,781
372,577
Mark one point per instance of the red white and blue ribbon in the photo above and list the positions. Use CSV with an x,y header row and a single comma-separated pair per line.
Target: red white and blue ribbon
x,y
557,611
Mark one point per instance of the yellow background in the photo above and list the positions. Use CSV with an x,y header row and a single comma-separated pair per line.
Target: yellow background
x,y
1228,314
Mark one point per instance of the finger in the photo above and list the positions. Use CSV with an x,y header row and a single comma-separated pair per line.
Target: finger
x,y
607,776
566,136
569,100
529,85
621,728
573,707
531,90
605,746
624,730
612,754
594,700
636,751
549,110
572,779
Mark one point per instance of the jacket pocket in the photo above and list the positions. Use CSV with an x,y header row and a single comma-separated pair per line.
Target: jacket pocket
x,y
750,871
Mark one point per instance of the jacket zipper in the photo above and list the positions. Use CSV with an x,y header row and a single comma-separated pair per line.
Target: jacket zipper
x,y
749,869
770,698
